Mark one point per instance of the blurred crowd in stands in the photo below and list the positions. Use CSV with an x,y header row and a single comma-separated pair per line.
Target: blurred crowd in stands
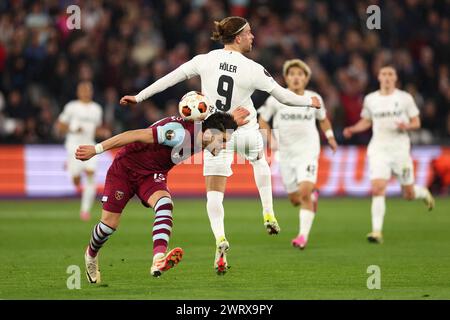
x,y
123,46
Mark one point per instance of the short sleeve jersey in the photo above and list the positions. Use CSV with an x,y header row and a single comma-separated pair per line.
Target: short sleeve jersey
x,y
385,112
82,119
295,128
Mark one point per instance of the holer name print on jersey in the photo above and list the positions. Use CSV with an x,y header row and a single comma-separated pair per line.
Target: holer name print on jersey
x,y
228,67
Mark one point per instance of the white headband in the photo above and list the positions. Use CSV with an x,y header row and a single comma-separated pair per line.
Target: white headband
x,y
240,29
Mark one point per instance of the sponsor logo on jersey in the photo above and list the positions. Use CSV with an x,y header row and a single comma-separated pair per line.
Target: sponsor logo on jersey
x,y
170,135
388,114
296,116
119,195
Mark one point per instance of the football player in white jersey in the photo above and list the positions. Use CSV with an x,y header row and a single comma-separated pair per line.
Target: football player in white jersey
x,y
229,79
391,113
80,121
298,144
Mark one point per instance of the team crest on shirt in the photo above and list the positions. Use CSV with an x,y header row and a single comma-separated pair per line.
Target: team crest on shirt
x,y
170,135
119,195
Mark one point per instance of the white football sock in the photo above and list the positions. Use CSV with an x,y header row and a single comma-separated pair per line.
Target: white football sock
x,y
263,180
420,192
216,213
306,221
88,195
378,211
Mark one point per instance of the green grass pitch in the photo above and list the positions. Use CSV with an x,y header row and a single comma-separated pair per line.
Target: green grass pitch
x,y
40,239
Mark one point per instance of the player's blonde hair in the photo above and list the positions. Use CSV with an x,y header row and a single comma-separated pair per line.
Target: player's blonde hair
x,y
228,28
297,63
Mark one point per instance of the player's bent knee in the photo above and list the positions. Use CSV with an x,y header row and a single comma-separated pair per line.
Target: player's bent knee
x,y
295,199
156,196
111,219
408,195
305,197
77,181
378,191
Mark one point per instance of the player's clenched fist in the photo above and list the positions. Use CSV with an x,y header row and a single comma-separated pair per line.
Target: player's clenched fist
x,y
84,153
315,102
125,100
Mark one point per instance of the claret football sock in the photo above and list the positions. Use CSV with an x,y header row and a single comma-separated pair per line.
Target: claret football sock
x,y
162,226
214,206
263,180
100,234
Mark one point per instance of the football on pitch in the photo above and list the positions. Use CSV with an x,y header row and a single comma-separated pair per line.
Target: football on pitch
x,y
194,106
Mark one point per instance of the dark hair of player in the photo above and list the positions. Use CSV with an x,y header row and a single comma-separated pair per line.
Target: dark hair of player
x,y
227,29
220,121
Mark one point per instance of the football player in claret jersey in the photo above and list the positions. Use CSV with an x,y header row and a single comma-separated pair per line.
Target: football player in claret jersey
x,y
229,79
141,168
391,113
81,122
298,144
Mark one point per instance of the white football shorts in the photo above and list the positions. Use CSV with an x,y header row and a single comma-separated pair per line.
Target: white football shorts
x,y
382,166
248,143
298,170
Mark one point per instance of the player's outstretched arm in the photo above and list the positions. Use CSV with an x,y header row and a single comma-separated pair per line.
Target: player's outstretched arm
x,y
362,125
289,98
162,84
85,152
327,129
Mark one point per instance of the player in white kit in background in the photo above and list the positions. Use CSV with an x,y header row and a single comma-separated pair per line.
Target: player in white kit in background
x,y
298,143
81,122
391,113
229,79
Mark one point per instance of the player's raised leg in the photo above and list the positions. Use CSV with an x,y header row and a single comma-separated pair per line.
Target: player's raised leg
x,y
404,170
215,186
100,234
378,210
88,195
304,197
415,192
162,228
